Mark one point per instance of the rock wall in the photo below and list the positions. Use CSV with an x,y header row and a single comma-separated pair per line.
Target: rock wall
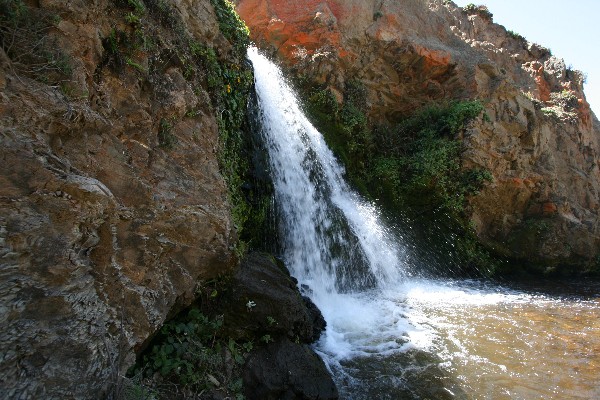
x,y
538,137
112,205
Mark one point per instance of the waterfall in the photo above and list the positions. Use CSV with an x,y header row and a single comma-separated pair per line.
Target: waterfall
x,y
389,334
333,240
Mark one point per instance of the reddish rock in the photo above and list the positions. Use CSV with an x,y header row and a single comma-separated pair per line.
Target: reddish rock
x,y
549,208
537,142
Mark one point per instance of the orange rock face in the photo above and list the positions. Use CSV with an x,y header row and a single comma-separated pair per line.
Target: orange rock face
x,y
292,27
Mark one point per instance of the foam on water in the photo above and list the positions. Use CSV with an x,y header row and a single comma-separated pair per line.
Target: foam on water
x,y
388,331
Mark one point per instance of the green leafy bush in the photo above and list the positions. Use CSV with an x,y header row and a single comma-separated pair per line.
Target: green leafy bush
x,y
231,25
187,353
515,35
418,162
166,139
345,127
480,10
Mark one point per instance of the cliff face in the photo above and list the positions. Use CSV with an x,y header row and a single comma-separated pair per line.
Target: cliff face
x,y
112,205
538,136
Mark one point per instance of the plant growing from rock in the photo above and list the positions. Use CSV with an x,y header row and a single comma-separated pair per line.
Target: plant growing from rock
x,y
166,139
26,36
481,10
515,35
187,357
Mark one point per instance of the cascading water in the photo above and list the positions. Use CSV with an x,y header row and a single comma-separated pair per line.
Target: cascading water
x,y
391,335
332,239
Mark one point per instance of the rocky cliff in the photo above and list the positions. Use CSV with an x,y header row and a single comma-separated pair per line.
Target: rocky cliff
x,y
113,207
536,135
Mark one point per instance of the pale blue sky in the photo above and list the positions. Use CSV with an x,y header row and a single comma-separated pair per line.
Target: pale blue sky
x,y
571,29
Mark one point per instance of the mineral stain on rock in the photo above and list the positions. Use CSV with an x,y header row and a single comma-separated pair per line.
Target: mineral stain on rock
x,y
537,128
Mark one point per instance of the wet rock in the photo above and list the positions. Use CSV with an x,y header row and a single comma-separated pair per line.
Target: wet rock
x,y
286,370
538,129
263,297
318,321
262,304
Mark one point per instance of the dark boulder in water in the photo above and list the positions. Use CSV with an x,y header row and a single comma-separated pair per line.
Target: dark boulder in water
x,y
263,297
287,370
263,304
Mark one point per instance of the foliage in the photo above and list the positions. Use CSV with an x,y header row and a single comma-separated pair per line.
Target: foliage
x,y
231,25
418,162
26,37
480,10
166,139
188,353
345,127
230,84
412,165
515,35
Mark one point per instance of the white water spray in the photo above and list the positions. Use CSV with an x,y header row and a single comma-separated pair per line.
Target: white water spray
x,y
335,243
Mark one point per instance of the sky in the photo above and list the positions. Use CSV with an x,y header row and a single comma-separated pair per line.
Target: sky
x,y
570,29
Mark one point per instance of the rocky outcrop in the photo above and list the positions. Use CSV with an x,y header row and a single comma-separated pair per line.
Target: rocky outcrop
x,y
263,297
538,136
287,370
112,205
262,302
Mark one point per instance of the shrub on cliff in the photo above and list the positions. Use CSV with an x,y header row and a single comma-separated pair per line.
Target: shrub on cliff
x,y
186,358
482,11
26,37
418,161
413,165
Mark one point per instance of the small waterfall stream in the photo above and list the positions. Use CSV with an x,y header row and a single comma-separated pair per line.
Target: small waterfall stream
x,y
392,335
333,241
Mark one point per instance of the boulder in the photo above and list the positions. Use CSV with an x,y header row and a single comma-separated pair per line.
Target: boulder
x,y
262,304
263,297
286,371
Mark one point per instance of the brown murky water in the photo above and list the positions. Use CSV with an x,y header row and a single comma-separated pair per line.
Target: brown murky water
x,y
520,347
468,340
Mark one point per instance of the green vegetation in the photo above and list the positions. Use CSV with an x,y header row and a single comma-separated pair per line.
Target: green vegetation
x,y
412,166
418,162
345,128
230,87
188,356
231,25
166,139
480,10
417,167
515,35
26,37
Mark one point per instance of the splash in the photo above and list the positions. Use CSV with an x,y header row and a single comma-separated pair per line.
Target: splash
x,y
391,334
